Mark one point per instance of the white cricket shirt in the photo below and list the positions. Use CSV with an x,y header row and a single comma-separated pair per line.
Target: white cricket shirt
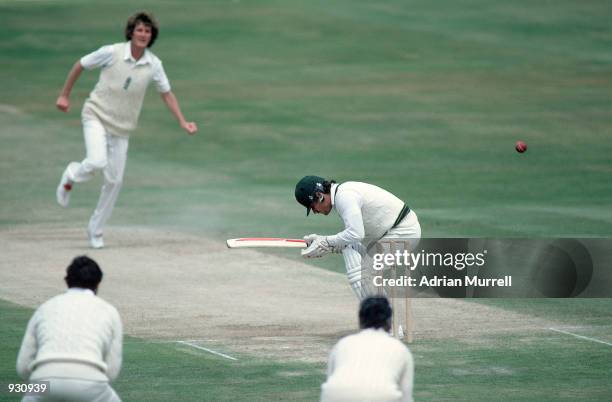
x,y
103,57
369,366
367,211
74,328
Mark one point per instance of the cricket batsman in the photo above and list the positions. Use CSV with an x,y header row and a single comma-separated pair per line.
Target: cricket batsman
x,y
370,214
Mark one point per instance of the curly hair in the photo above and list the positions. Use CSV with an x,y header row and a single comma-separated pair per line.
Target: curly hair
x,y
142,17
375,312
83,272
327,186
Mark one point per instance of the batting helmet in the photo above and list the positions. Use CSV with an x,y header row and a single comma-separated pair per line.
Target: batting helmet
x,y
306,188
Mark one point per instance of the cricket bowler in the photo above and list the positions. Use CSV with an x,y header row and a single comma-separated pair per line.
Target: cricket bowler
x,y
110,113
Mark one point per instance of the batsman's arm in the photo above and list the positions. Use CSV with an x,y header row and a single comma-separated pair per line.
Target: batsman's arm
x,y
353,232
63,100
172,103
348,206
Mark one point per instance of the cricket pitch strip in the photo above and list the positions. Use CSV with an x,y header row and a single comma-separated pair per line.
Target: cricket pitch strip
x,y
171,286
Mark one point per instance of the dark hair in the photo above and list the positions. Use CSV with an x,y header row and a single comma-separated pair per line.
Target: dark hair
x,y
375,312
145,18
83,272
327,186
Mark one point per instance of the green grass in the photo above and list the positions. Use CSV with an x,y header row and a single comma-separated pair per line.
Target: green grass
x,y
167,371
537,366
423,98
583,311
523,367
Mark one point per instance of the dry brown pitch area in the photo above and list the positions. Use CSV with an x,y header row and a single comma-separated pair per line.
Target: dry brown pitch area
x,y
173,286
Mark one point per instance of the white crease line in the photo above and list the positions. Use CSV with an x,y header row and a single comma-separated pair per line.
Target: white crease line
x,y
162,341
580,336
207,350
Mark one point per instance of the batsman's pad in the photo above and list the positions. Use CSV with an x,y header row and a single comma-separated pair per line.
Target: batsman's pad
x,y
352,262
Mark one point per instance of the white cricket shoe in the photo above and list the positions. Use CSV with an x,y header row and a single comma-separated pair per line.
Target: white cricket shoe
x,y
95,240
63,191
64,187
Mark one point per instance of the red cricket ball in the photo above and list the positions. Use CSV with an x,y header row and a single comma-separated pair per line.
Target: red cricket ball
x,y
520,147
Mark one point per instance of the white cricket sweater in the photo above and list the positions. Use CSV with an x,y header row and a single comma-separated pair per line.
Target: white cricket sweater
x,y
367,211
76,335
369,366
117,98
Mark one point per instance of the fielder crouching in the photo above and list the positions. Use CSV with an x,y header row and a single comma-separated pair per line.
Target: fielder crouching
x,y
74,341
370,214
370,365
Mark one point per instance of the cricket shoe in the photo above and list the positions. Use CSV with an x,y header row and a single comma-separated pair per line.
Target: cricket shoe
x,y
95,240
64,187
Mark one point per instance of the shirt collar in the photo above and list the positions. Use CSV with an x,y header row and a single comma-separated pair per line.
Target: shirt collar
x,y
376,331
127,55
81,290
332,192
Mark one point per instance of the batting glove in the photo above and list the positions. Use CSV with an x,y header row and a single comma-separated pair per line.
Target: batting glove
x,y
337,249
317,246
310,238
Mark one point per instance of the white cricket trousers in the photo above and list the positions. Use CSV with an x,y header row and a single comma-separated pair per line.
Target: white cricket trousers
x,y
75,390
106,152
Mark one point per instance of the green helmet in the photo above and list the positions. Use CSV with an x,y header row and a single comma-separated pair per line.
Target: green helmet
x,y
306,188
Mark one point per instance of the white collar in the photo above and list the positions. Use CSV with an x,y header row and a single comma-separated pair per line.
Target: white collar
x,y
127,55
376,331
332,192
81,290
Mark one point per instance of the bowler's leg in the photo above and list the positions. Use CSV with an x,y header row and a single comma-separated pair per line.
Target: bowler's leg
x,y
95,159
113,179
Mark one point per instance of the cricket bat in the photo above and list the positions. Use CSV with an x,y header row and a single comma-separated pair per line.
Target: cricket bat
x,y
265,242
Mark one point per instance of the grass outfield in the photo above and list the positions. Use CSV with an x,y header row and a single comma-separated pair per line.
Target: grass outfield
x,y
527,366
168,371
425,99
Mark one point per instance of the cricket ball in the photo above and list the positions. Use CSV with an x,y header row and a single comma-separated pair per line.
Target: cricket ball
x,y
520,147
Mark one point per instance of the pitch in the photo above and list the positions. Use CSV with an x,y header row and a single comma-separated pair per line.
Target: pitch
x,y
425,100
